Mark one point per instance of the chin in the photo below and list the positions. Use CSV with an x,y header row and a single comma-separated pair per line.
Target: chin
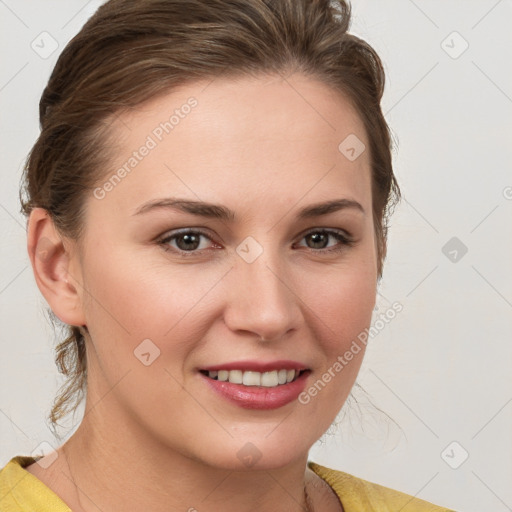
x,y
257,449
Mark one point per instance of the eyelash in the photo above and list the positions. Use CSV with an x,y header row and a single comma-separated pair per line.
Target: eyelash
x,y
345,239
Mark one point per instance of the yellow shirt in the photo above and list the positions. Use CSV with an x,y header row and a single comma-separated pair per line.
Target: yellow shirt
x,y
21,491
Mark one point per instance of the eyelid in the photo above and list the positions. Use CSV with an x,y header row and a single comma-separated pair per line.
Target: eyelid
x,y
343,232
205,232
344,237
173,233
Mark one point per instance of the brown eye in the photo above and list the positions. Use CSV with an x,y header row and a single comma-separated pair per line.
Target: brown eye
x,y
183,242
319,240
188,241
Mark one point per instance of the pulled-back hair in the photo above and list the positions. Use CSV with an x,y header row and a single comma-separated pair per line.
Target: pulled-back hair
x,y
131,51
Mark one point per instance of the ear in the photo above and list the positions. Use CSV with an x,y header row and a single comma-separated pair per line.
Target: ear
x,y
56,268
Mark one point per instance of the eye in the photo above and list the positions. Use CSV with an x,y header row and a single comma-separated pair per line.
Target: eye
x,y
320,237
186,241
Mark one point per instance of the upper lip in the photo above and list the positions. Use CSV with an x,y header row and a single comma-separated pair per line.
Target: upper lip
x,y
257,366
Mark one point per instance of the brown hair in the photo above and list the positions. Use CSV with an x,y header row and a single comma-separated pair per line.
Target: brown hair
x,y
131,51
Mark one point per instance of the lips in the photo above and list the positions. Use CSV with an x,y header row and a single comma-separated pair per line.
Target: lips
x,y
257,385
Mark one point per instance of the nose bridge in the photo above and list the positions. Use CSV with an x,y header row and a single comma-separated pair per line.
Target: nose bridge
x,y
261,300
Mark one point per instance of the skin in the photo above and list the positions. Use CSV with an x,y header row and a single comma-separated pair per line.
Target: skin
x,y
156,437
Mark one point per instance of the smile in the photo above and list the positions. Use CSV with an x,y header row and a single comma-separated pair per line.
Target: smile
x,y
270,379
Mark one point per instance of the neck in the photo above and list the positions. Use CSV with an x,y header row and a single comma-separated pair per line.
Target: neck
x,y
121,469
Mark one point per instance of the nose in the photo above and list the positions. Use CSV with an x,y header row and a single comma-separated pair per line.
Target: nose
x,y
261,299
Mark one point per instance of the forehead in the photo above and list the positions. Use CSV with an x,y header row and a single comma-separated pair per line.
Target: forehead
x,y
225,139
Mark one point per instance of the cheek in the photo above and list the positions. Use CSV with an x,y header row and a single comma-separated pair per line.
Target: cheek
x,y
130,302
352,300
341,309
342,296
340,305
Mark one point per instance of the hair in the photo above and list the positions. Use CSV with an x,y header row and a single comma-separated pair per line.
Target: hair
x,y
131,51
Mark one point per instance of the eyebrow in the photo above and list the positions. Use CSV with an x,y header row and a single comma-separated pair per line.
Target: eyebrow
x,y
216,211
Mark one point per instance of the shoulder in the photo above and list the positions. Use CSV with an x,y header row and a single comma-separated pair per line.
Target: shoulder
x,y
357,494
20,491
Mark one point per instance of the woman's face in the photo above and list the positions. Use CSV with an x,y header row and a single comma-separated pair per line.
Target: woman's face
x,y
162,306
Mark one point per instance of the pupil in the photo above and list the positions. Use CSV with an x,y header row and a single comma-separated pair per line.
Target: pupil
x,y
316,237
188,238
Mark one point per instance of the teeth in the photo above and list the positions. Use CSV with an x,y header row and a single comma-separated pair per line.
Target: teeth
x,y
269,379
236,377
250,378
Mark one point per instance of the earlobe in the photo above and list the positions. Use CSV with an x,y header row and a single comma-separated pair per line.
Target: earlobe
x,y
53,268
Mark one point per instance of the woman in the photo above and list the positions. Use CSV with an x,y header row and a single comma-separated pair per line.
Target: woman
x,y
207,207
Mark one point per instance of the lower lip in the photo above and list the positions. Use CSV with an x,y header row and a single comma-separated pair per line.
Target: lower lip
x,y
259,397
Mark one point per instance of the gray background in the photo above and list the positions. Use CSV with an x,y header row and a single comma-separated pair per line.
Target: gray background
x,y
441,368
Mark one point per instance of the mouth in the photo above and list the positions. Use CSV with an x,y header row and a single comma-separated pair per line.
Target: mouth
x,y
251,378
254,384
